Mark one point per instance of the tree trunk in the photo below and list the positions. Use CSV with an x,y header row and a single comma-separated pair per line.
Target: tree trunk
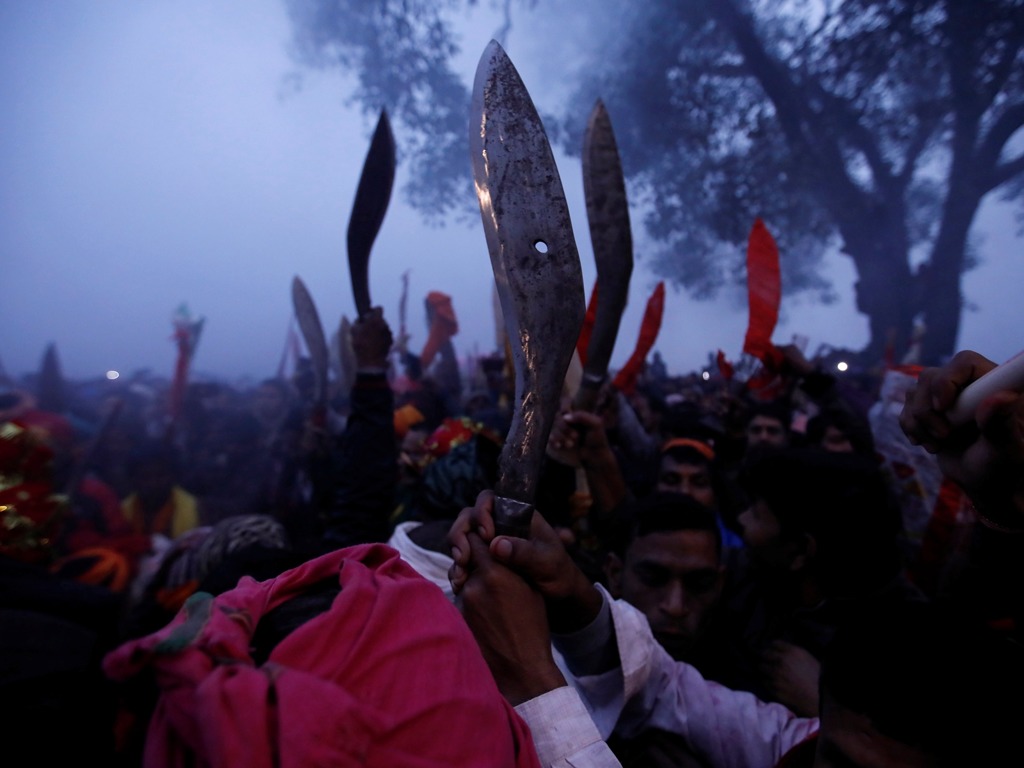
x,y
941,298
878,246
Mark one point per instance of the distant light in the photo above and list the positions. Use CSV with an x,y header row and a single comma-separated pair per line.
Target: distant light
x,y
112,375
842,366
705,375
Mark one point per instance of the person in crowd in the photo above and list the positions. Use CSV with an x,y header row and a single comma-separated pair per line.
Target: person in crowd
x,y
768,423
668,563
983,455
365,454
841,431
687,465
902,686
822,541
350,658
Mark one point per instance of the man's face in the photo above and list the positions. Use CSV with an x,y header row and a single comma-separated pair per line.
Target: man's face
x,y
692,479
765,430
848,740
674,578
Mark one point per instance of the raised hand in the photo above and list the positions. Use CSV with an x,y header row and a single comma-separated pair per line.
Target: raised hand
x,y
541,560
984,455
371,341
508,618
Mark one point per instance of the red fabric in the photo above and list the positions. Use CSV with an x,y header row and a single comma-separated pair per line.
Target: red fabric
x,y
110,530
389,675
764,291
30,510
49,426
625,380
583,343
939,539
443,325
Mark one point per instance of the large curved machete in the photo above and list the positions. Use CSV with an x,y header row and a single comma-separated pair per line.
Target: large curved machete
x,y
536,270
371,203
608,215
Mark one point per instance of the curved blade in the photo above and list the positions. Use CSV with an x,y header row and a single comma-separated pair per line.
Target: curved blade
x,y
372,197
533,255
608,216
313,334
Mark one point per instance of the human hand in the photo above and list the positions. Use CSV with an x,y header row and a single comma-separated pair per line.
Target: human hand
x,y
579,438
542,560
984,455
791,674
371,340
508,619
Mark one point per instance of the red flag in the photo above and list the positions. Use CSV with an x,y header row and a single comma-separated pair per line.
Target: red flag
x,y
443,325
625,379
764,291
588,326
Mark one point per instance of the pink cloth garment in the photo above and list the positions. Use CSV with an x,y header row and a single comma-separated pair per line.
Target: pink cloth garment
x,y
388,676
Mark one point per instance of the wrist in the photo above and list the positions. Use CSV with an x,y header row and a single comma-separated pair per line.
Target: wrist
x,y
541,679
577,608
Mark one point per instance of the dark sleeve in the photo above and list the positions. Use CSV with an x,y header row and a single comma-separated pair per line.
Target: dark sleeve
x,y
366,469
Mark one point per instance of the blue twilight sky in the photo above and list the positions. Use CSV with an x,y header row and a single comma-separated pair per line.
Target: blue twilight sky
x,y
161,152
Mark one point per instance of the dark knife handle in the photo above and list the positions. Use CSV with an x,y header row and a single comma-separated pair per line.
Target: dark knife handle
x,y
512,518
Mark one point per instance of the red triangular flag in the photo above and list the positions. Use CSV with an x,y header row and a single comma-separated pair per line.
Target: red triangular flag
x,y
764,291
625,379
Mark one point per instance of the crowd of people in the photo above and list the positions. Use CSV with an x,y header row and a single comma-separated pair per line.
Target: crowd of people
x,y
819,570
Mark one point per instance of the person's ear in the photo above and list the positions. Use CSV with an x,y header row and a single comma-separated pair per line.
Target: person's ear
x,y
613,567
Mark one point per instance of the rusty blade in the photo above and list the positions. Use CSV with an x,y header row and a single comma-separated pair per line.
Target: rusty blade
x,y
313,335
608,216
371,203
534,258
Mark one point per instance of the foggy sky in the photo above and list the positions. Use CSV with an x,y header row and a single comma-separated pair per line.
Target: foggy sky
x,y
162,153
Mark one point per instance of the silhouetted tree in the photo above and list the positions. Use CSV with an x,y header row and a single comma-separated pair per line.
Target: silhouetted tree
x,y
879,126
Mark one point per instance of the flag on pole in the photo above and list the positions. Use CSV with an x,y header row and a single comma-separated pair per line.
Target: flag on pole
x,y
186,337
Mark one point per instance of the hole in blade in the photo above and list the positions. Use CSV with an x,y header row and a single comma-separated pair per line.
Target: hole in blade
x,y
540,246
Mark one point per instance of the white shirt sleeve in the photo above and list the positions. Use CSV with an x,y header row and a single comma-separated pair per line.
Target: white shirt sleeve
x,y
649,689
563,733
